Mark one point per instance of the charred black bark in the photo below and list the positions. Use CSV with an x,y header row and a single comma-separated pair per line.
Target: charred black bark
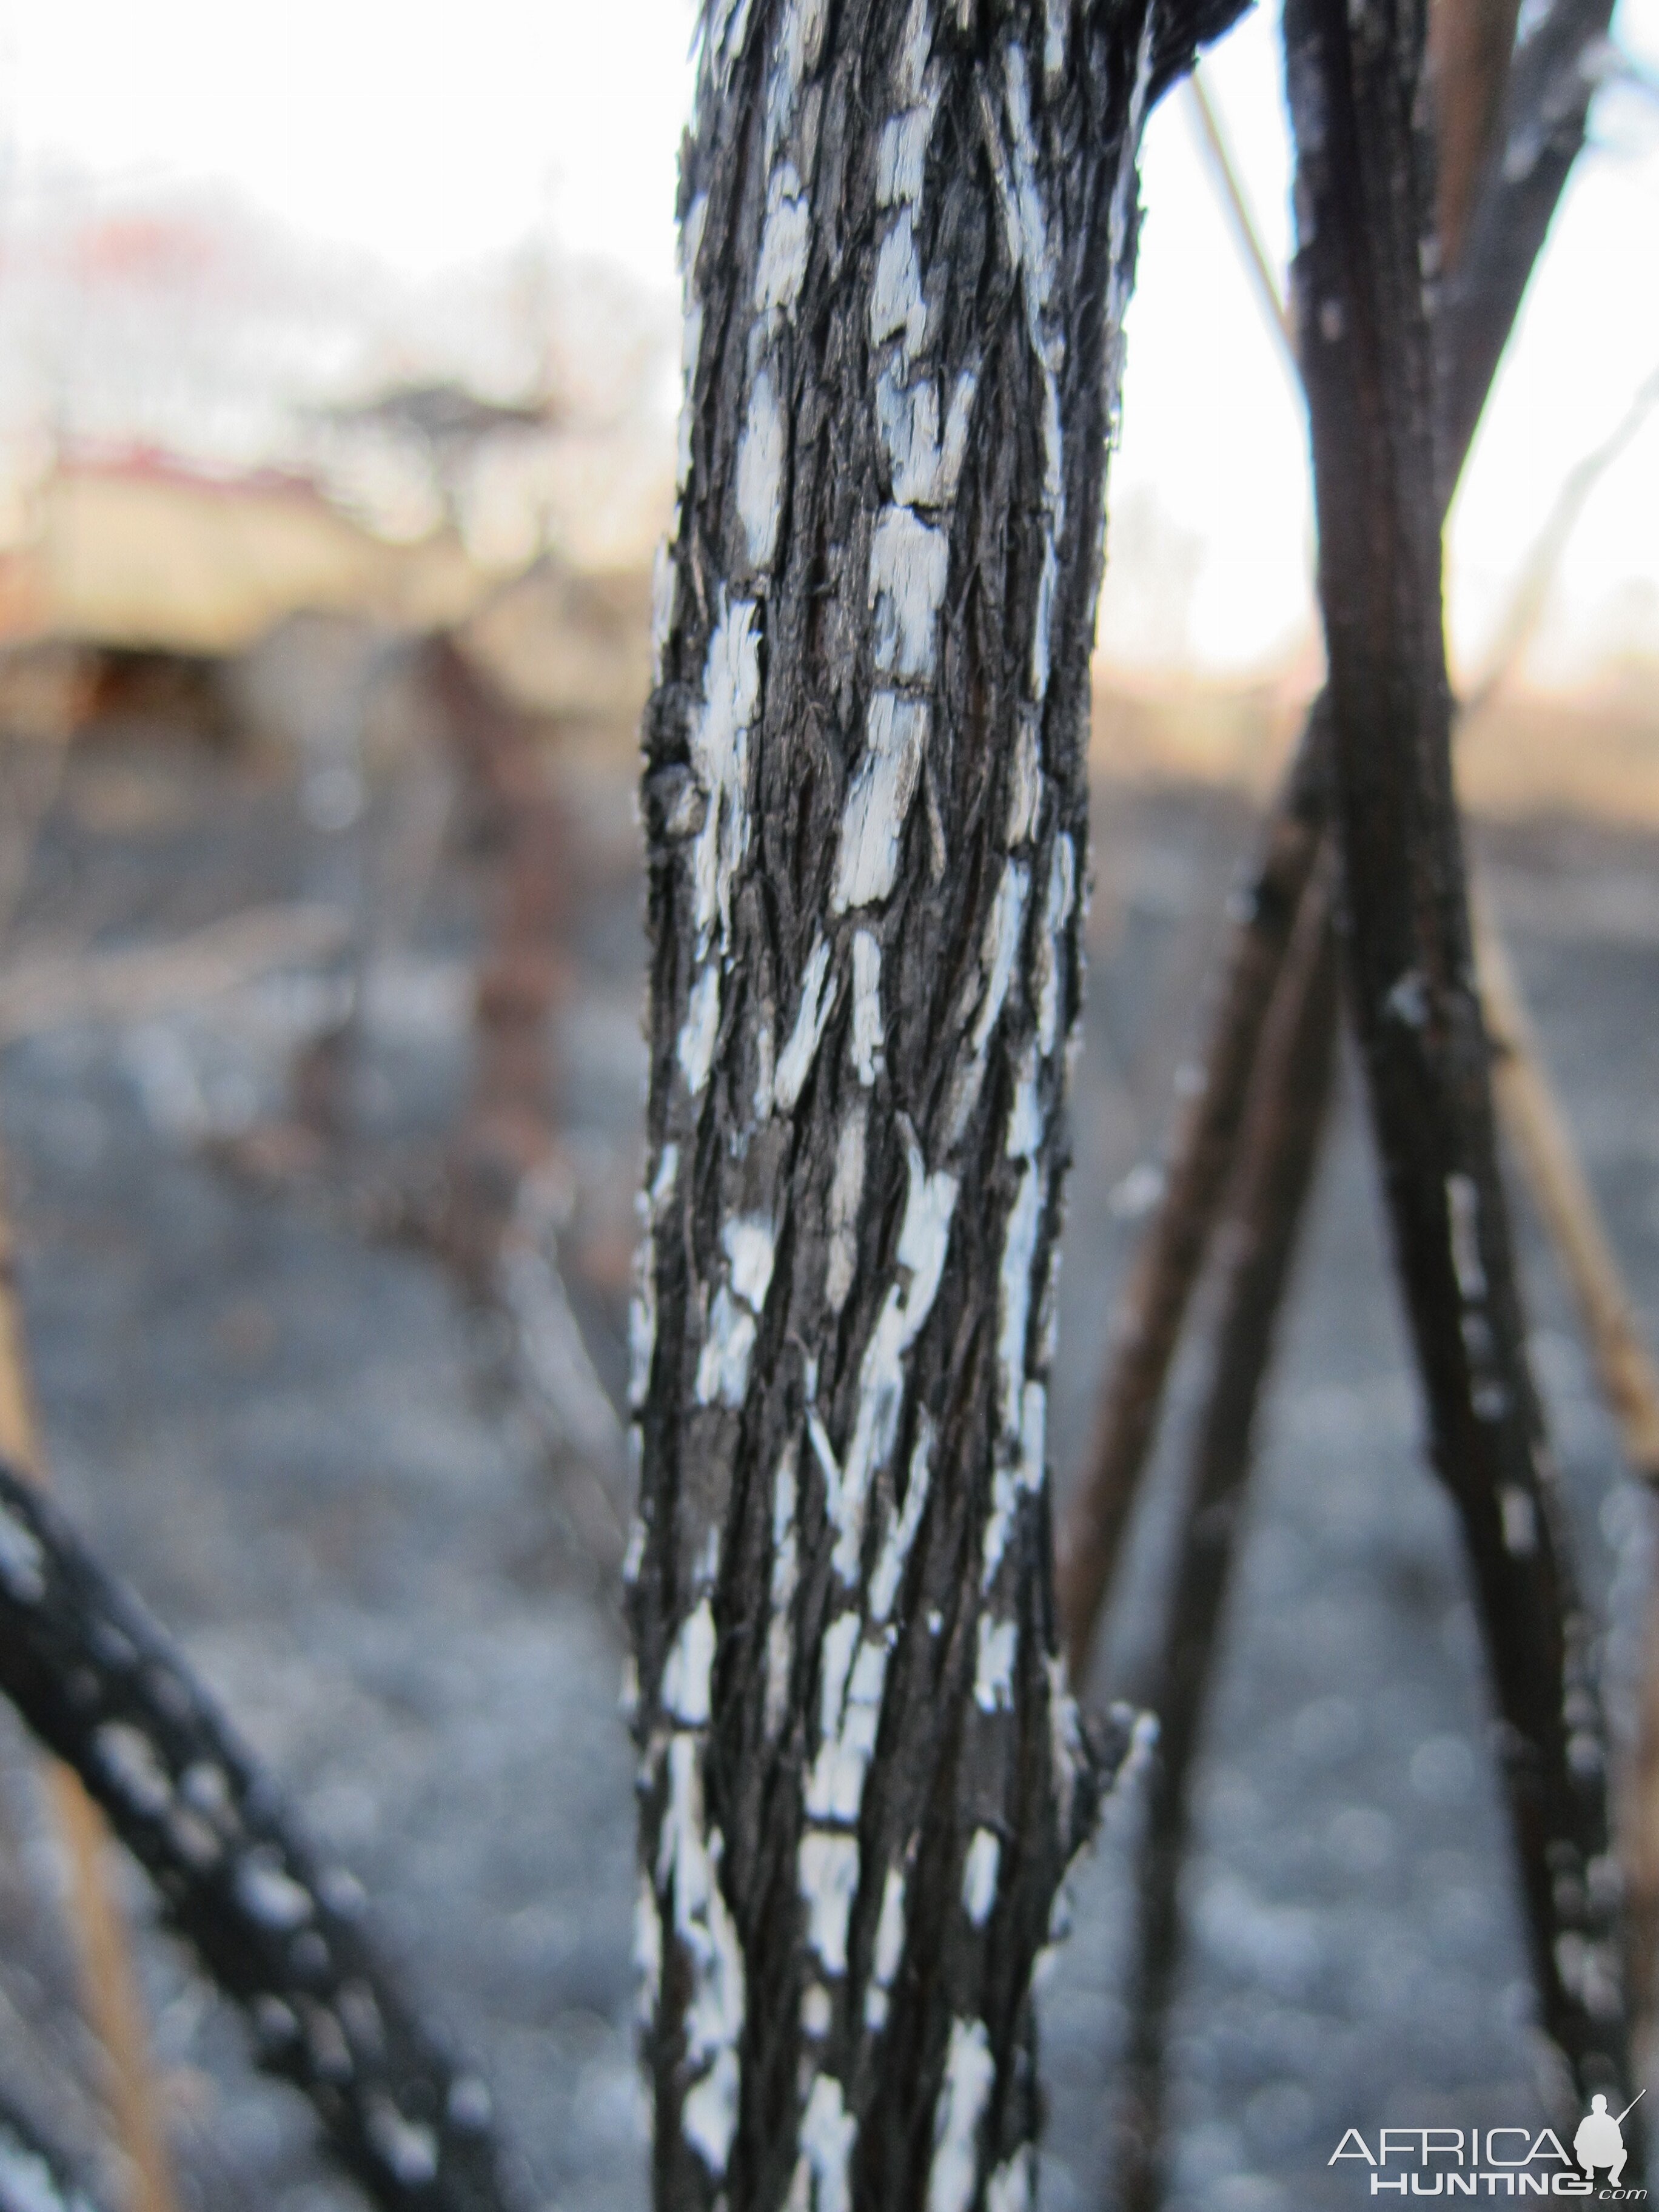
x,y
1364,193
100,1687
908,237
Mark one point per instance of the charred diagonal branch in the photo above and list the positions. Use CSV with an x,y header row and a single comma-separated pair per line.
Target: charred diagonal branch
x,y
908,234
100,1687
1364,194
1543,131
1200,1166
1279,1153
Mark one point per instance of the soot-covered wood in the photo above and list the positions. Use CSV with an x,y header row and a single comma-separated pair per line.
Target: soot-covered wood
x,y
100,1687
908,236
1364,186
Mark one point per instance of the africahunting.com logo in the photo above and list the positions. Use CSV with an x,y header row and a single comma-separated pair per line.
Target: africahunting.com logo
x,y
1499,2161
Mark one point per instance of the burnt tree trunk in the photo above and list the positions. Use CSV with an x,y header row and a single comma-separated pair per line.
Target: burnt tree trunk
x,y
1363,194
908,234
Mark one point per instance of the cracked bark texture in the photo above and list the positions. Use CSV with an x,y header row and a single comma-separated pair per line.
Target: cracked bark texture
x,y
97,1683
908,233
1363,195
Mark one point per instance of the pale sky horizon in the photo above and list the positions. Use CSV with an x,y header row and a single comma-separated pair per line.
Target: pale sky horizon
x,y
428,138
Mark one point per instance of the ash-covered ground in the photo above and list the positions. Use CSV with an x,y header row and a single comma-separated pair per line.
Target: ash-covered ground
x,y
279,1415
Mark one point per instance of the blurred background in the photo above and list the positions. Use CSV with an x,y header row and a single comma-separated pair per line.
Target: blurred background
x,y
338,368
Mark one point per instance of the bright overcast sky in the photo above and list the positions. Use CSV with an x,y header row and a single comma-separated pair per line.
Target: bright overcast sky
x,y
430,135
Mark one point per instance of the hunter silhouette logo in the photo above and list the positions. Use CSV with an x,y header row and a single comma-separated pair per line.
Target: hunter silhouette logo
x,y
1599,2142
1499,2161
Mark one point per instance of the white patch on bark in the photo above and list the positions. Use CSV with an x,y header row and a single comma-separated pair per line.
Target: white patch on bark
x,y
828,1866
647,1949
760,472
1056,24
780,1632
1026,228
846,1196
720,761
896,308
1009,2189
722,1365
695,1047
750,1248
878,804
642,1312
688,1671
823,2181
689,1861
1021,1472
796,49
909,563
993,1672
1026,796
784,243
923,1242
915,49
889,1949
850,1712
867,1033
1014,1294
796,1063
980,1871
727,24
691,332
765,1065
901,157
999,950
901,1530
709,2113
970,2069
924,468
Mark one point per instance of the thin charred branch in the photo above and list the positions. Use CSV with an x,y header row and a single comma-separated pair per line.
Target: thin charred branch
x,y
1200,1166
1279,1153
1544,117
1364,201
1551,81
908,236
99,1685
33,2176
